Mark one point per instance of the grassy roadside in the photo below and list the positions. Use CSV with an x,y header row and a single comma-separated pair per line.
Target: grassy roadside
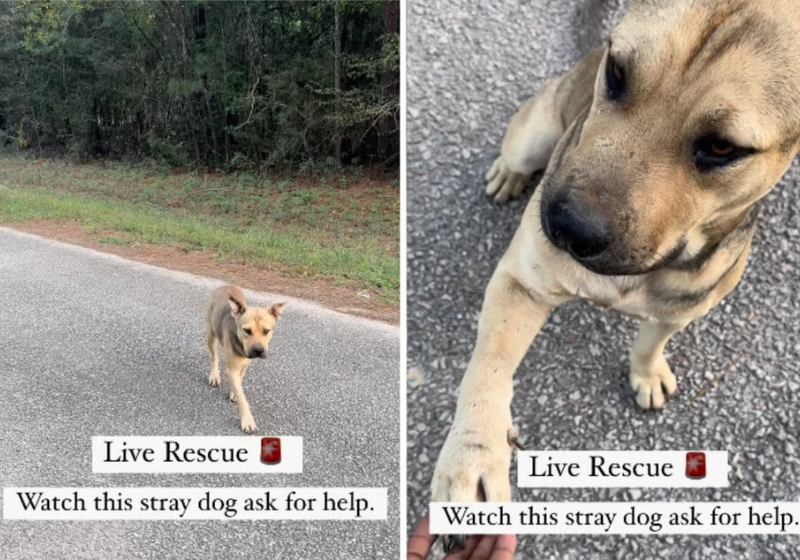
x,y
343,228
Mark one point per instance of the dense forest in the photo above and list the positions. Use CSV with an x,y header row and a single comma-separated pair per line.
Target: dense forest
x,y
200,84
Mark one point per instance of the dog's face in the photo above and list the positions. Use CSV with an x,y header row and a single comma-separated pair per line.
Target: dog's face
x,y
696,115
254,326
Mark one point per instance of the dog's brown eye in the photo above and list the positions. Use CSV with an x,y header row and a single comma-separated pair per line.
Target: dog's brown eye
x,y
266,332
615,79
617,71
713,151
248,332
720,148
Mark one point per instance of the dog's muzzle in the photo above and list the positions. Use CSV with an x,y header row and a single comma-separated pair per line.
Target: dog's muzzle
x,y
257,352
574,229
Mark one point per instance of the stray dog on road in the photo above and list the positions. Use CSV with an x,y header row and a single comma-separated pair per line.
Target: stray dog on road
x,y
658,148
244,334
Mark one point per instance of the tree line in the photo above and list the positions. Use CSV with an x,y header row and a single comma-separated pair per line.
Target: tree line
x,y
202,84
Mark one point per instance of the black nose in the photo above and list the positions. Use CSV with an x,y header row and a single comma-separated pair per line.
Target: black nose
x,y
258,350
572,228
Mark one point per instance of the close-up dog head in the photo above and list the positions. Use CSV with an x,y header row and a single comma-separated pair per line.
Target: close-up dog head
x,y
695,116
254,326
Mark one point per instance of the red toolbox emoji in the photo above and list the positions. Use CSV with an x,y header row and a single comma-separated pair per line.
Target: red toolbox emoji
x,y
695,465
270,450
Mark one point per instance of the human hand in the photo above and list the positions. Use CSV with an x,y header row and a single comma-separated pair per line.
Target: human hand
x,y
476,547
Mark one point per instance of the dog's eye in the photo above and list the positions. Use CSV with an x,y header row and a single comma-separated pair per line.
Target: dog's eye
x,y
266,332
720,148
712,151
615,79
248,331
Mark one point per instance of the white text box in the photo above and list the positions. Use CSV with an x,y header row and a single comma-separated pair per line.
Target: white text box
x,y
167,504
616,518
190,454
619,469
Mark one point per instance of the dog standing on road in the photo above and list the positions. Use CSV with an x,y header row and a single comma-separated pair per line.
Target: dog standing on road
x,y
244,334
658,148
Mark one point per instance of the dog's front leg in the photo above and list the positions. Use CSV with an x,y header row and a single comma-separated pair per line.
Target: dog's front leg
x,y
236,376
475,460
213,354
650,374
538,124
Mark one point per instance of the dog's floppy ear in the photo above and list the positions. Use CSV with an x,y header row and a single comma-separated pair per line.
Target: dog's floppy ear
x,y
237,306
276,310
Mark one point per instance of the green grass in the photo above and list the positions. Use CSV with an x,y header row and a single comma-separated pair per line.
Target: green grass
x,y
259,220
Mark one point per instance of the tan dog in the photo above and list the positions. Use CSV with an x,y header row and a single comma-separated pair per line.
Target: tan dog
x,y
658,148
244,334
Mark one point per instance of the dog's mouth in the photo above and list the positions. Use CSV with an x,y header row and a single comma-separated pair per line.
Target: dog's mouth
x,y
609,262
616,268
591,241
610,265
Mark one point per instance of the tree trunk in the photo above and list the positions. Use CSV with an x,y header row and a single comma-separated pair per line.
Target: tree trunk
x,y
182,13
337,80
388,133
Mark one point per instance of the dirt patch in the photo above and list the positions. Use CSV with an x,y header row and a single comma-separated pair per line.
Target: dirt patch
x,y
343,298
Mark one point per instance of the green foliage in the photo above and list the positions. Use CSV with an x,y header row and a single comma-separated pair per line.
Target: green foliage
x,y
288,222
199,84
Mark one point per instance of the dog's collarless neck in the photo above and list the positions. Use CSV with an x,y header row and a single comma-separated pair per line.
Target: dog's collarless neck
x,y
233,336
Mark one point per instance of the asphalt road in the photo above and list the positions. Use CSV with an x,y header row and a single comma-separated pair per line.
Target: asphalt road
x,y
92,344
470,64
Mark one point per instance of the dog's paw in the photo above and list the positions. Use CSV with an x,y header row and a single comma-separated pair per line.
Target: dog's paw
x,y
214,379
473,469
653,383
473,466
248,425
502,183
232,396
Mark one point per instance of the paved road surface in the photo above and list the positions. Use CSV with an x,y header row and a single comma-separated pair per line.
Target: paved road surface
x,y
93,344
470,64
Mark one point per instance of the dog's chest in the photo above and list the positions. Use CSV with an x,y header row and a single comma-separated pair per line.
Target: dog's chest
x,y
626,295
633,307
